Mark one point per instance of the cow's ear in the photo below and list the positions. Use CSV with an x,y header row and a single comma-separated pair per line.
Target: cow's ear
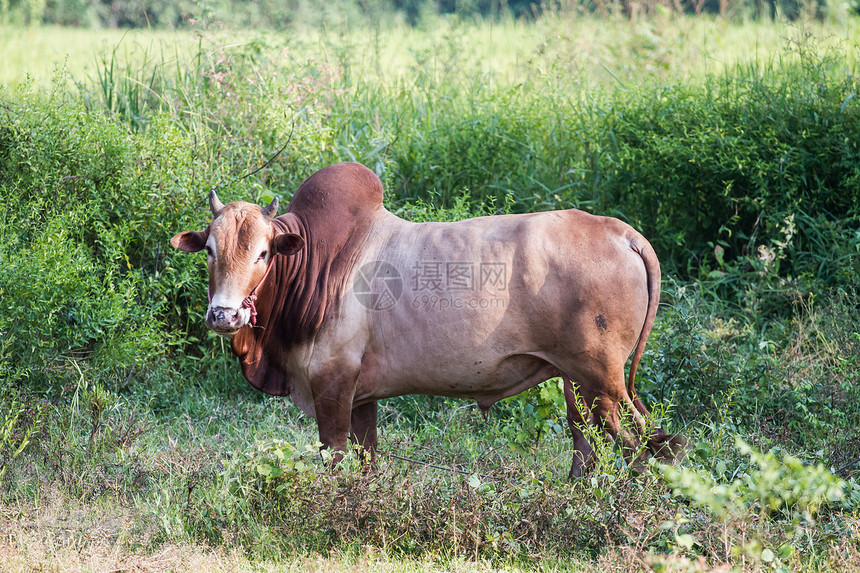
x,y
190,241
288,244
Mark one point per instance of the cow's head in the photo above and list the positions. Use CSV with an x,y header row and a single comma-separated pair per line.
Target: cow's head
x,y
240,243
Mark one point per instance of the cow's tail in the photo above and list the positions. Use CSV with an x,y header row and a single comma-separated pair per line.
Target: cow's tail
x,y
652,271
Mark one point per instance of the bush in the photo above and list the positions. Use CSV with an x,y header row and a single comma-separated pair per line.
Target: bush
x,y
85,271
784,494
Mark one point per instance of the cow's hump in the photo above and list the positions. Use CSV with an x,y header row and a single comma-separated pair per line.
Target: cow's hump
x,y
338,194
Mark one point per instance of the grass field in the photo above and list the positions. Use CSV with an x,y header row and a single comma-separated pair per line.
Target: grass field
x,y
130,441
592,50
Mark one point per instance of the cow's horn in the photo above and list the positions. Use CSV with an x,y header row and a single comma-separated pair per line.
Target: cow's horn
x,y
272,209
215,203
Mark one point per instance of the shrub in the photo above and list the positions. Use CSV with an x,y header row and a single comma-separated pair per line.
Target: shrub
x,y
84,265
784,494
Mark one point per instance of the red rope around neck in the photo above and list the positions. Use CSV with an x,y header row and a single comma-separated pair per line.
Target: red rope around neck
x,y
251,298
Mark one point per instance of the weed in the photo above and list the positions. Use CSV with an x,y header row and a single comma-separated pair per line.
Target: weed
x,y
19,424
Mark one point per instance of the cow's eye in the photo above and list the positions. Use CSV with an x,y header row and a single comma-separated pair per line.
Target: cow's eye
x,y
263,256
209,251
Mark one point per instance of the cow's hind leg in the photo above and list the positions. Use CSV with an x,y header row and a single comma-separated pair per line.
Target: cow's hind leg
x,y
665,447
362,429
585,406
578,415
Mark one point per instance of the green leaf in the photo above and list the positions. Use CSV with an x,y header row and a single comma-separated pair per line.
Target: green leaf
x,y
685,540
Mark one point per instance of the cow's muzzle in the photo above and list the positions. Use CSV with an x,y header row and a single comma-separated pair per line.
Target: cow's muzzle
x,y
225,320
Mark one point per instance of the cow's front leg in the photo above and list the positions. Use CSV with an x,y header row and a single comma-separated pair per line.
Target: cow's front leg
x,y
333,412
363,429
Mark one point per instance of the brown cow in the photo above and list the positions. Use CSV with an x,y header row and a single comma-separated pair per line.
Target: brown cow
x,y
338,303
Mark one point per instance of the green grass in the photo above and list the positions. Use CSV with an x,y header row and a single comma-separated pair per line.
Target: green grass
x,y
129,438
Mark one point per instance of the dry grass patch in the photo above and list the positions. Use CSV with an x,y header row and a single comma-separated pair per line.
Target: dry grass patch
x,y
58,538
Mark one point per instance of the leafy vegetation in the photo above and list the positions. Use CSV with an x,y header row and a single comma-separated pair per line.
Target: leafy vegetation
x,y
115,400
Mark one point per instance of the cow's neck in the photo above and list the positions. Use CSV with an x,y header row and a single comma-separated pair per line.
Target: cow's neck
x,y
292,303
291,266
301,288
